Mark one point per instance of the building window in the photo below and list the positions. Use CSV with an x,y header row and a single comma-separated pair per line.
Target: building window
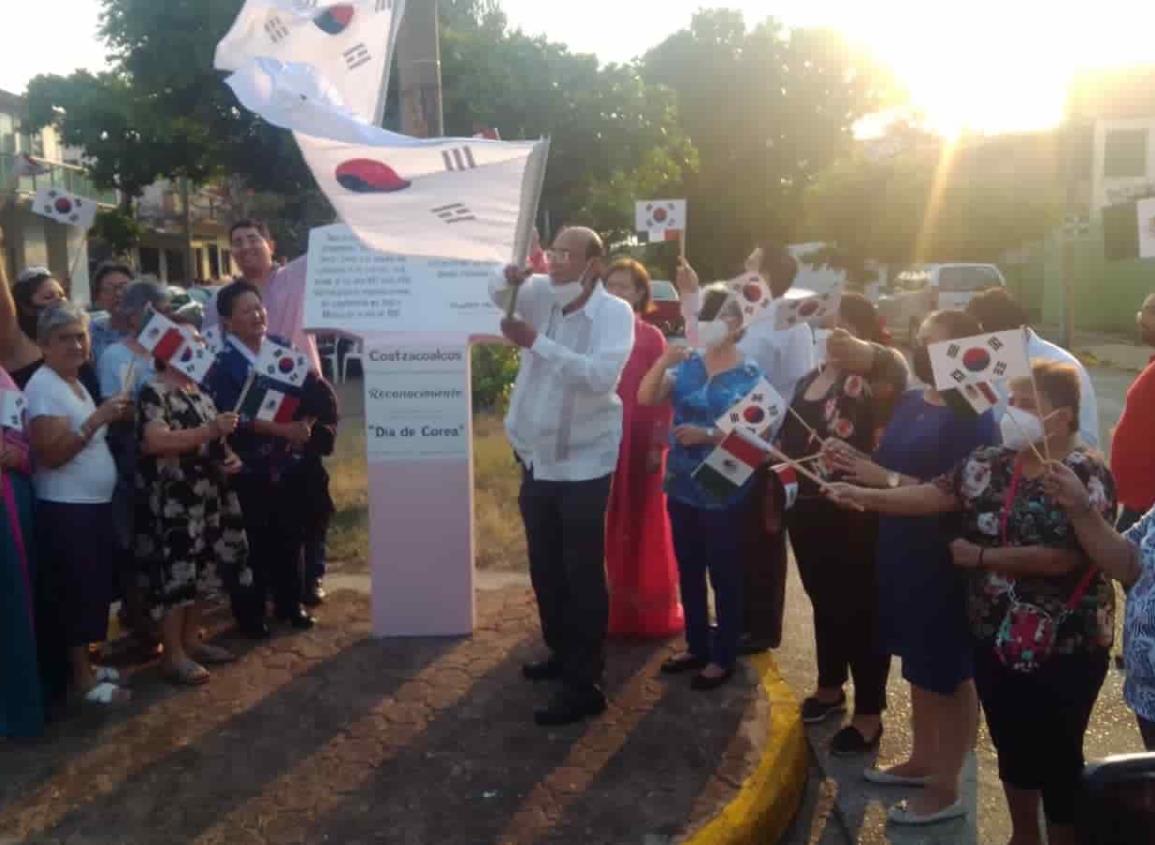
x,y
174,263
214,262
150,261
1125,153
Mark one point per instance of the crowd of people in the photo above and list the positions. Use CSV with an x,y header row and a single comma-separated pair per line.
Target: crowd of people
x,y
130,481
978,546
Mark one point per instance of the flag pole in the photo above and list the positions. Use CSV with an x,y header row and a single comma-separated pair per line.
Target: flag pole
x,y
1038,399
804,424
249,379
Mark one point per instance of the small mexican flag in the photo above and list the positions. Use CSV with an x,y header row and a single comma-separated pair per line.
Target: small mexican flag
x,y
262,402
731,464
788,478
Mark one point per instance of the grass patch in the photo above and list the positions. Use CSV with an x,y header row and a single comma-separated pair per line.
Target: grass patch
x,y
497,521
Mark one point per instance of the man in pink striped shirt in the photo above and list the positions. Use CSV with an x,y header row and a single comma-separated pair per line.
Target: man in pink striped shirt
x,y
282,288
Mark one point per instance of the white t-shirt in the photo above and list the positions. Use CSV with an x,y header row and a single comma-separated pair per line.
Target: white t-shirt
x,y
90,477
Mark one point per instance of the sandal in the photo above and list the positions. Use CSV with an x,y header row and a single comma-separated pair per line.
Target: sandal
x,y
188,674
106,694
211,655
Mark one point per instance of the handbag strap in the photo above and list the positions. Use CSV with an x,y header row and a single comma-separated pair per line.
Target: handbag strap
x,y
1009,500
1081,589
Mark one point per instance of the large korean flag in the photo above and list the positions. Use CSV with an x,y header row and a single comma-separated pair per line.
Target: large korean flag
x,y
462,198
350,43
982,358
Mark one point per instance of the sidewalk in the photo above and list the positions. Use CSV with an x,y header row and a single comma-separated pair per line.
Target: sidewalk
x,y
332,736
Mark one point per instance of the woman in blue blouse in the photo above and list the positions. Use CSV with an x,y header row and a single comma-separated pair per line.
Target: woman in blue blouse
x,y
709,533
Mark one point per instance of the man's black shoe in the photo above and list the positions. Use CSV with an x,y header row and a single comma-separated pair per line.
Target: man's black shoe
x,y
314,594
543,670
256,629
753,645
298,619
570,706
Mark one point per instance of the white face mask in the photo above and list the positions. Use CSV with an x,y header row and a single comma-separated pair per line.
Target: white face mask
x,y
566,294
712,333
1020,429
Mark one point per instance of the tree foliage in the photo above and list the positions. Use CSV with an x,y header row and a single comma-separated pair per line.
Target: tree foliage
x,y
927,200
768,109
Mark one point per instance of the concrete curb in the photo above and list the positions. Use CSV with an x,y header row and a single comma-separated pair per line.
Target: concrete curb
x,y
769,799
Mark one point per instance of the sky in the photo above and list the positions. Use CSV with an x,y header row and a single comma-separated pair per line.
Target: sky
x,y
982,65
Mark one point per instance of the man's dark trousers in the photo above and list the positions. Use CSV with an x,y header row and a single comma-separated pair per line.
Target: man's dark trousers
x,y
565,531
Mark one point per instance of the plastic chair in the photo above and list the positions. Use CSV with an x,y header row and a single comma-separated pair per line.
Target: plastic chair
x,y
356,353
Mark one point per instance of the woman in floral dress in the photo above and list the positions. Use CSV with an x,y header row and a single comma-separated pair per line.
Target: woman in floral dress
x,y
190,533
835,549
1041,613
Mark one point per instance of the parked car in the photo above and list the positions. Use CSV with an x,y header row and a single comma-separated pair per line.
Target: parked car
x,y
667,313
916,292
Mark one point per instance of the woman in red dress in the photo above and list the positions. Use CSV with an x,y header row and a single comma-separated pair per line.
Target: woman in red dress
x,y
640,564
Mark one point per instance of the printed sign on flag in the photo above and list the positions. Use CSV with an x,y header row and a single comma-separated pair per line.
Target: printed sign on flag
x,y
753,294
810,309
13,407
282,363
981,358
161,336
349,43
64,207
731,464
761,410
660,220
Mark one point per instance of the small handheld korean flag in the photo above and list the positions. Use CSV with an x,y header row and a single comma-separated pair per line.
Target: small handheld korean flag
x,y
194,360
761,410
809,309
161,336
64,207
660,220
981,358
214,341
25,165
731,464
753,293
282,364
13,407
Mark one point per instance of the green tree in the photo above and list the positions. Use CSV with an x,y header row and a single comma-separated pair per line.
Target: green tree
x,y
768,110
912,197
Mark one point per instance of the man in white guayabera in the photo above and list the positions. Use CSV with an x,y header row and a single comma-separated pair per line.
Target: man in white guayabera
x,y
565,424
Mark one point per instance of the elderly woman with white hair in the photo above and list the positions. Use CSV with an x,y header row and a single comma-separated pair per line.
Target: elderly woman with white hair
x,y
74,479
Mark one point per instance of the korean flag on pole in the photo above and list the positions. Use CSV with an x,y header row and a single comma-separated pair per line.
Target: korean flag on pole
x,y
660,220
754,295
64,207
194,359
761,410
282,364
809,309
349,43
981,358
463,198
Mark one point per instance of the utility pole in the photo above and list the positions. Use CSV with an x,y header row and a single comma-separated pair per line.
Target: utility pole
x,y
186,207
419,71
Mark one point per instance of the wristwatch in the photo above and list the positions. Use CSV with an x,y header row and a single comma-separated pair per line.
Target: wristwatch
x,y
893,480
